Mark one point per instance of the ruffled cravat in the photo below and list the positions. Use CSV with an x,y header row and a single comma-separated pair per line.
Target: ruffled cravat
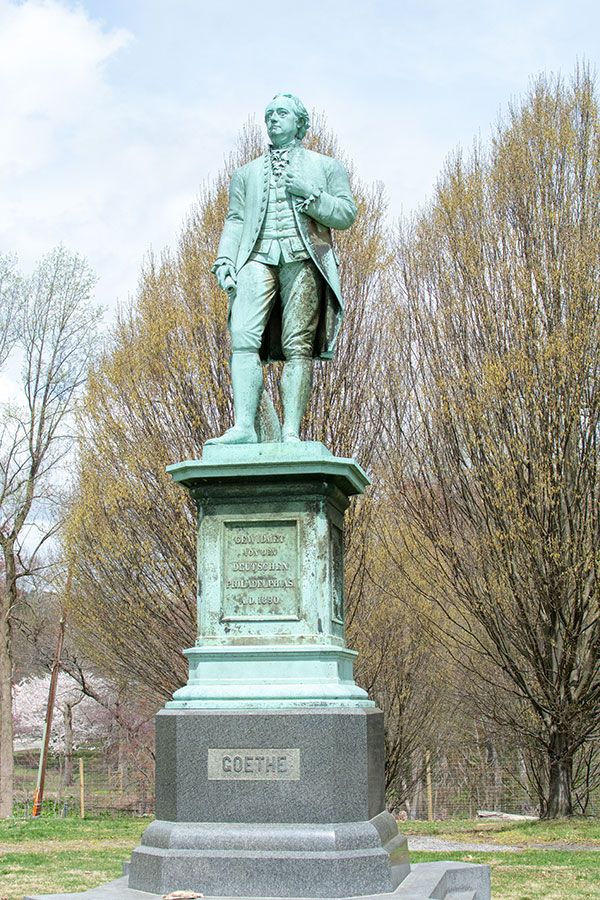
x,y
280,158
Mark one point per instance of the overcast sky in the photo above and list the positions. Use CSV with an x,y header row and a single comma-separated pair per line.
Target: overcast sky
x,y
115,111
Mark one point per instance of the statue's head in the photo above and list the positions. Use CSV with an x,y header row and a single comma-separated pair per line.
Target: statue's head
x,y
286,119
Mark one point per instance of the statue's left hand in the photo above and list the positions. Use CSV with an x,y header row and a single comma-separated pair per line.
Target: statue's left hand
x,y
297,185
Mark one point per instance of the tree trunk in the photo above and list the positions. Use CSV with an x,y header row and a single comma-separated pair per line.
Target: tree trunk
x,y
494,801
560,783
7,600
68,723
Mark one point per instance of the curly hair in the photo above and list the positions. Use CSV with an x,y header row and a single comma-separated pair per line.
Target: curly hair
x,y
301,114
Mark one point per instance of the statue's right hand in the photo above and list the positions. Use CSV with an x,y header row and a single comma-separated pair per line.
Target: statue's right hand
x,y
227,278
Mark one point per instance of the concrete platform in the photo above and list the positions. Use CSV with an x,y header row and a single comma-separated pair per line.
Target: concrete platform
x,y
426,881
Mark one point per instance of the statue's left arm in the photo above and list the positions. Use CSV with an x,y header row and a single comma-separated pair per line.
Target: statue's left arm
x,y
335,206
332,205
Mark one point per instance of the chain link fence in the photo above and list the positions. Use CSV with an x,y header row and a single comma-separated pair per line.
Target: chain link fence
x,y
89,784
95,783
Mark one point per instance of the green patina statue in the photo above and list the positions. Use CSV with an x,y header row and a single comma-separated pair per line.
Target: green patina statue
x,y
278,265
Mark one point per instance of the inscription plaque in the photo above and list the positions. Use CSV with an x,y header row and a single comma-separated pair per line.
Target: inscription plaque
x,y
247,764
260,571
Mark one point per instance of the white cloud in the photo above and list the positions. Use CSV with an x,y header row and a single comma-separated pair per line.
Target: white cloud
x,y
51,76
58,113
85,161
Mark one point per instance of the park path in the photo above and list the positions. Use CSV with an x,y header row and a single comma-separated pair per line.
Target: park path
x,y
426,842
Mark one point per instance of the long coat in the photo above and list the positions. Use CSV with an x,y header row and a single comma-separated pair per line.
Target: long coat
x,y
334,208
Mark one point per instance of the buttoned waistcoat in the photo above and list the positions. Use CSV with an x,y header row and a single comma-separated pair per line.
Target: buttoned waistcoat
x,y
334,208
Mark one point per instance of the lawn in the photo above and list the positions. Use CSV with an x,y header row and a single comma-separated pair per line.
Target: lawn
x,y
539,871
534,874
50,855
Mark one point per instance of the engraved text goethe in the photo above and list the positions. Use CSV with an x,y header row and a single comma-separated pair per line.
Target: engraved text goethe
x,y
279,764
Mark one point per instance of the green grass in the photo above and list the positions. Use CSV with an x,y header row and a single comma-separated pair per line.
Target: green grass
x,y
534,874
50,855
104,828
537,872
44,873
44,856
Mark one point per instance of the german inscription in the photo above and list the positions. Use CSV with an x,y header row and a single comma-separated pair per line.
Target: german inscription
x,y
254,765
260,570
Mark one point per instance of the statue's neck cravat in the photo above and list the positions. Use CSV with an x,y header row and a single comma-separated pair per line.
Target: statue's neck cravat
x,y
280,158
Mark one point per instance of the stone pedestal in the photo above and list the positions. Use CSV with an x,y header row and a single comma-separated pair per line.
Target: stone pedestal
x,y
270,578
302,765
285,803
270,760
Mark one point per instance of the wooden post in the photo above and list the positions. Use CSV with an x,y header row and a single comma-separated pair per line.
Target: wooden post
x,y
429,787
39,791
81,790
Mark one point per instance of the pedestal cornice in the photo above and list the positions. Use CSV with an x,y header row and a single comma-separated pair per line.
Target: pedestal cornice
x,y
259,462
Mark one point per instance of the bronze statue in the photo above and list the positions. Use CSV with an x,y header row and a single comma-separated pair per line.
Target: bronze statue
x,y
277,262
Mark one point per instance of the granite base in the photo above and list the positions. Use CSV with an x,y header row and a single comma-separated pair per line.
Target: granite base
x,y
426,881
221,859
340,759
285,803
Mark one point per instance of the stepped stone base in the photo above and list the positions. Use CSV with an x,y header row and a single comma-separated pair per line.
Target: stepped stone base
x,y
278,804
285,803
271,859
426,881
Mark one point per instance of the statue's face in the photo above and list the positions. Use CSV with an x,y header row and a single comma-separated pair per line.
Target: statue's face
x,y
281,121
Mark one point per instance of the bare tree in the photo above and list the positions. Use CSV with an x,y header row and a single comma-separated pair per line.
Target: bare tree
x,y
9,306
51,329
498,500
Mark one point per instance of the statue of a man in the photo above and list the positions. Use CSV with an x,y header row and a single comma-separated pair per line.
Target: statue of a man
x,y
277,263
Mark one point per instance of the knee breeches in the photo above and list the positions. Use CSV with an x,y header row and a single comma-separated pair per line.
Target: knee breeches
x,y
299,286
